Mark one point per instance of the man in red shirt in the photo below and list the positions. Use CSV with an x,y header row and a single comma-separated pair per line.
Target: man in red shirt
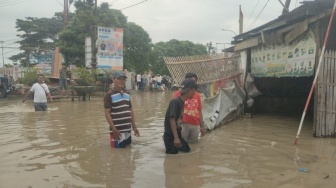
x,y
192,116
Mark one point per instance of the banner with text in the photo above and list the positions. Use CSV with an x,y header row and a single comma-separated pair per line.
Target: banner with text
x,y
110,48
293,60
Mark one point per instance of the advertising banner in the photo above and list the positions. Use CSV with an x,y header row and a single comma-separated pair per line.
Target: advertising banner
x,y
110,48
295,60
42,61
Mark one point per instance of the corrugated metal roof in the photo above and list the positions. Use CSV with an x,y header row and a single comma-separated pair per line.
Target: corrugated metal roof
x,y
306,10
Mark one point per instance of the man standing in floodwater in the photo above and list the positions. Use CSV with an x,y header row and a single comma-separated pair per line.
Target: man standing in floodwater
x,y
63,78
40,90
172,124
192,117
119,112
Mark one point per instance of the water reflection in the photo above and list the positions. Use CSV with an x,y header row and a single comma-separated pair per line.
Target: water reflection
x,y
68,146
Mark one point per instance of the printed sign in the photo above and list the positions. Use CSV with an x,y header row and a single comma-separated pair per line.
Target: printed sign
x,y
110,48
293,60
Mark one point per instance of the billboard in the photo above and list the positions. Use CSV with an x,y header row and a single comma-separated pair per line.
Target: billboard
x,y
295,60
110,48
47,62
42,61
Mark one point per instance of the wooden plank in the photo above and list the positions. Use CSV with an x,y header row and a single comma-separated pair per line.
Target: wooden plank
x,y
333,72
328,97
296,32
247,43
328,84
321,74
319,123
325,75
322,100
330,101
310,20
323,132
331,94
317,106
328,111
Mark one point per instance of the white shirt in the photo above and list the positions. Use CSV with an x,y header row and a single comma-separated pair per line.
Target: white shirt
x,y
138,78
40,91
159,79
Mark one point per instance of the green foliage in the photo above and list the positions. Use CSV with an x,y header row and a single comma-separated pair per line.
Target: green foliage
x,y
173,48
30,77
37,33
84,77
82,25
140,54
137,48
210,48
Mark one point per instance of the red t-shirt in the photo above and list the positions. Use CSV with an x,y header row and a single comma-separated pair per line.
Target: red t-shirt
x,y
192,109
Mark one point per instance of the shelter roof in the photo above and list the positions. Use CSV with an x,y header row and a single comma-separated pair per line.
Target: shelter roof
x,y
306,10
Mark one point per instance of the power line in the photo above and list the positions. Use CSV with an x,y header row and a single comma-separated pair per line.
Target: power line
x,y
12,3
12,47
59,3
254,21
252,11
11,43
10,40
133,5
8,36
10,51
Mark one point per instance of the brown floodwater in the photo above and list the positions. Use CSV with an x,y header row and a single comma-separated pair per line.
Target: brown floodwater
x,y
68,146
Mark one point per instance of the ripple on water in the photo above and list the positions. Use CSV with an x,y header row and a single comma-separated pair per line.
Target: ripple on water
x,y
71,141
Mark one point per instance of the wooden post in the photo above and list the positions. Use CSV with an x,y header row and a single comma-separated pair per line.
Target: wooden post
x,y
286,7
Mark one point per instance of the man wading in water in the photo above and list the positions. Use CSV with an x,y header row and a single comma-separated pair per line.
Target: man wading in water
x,y
119,113
172,124
40,90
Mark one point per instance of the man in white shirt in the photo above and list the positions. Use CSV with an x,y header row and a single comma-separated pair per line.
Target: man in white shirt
x,y
40,90
159,80
138,80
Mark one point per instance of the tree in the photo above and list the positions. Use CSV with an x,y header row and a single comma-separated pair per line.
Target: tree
x,y
137,48
173,48
210,48
85,20
38,34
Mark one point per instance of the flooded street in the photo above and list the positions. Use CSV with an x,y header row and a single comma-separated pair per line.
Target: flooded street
x,y
68,146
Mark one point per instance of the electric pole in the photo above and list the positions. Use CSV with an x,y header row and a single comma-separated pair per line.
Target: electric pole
x,y
3,58
66,12
286,7
93,40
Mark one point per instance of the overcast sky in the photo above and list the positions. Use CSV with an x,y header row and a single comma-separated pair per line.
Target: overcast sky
x,y
199,21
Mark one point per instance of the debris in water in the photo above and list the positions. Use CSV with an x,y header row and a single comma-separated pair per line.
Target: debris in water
x,y
303,169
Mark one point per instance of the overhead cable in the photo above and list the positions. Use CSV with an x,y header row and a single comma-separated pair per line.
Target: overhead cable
x,y
252,12
254,21
133,5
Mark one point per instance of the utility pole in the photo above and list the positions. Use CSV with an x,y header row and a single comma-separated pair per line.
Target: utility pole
x,y
66,12
27,51
3,58
286,7
93,40
241,20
